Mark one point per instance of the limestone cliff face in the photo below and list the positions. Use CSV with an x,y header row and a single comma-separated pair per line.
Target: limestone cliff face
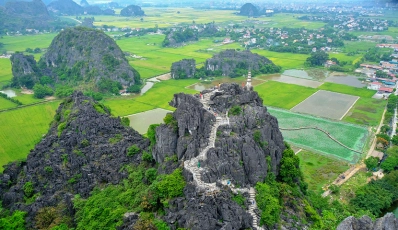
x,y
236,155
84,148
183,69
387,222
24,70
88,54
228,60
132,11
65,7
248,146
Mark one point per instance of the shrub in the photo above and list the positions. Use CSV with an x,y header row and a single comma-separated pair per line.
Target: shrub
x,y
151,175
47,218
41,91
267,199
334,188
371,163
16,221
28,189
257,138
125,121
146,157
235,110
84,142
48,169
151,133
61,128
115,139
134,89
134,149
239,199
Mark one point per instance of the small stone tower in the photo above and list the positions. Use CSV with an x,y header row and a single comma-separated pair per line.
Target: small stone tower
x,y
249,81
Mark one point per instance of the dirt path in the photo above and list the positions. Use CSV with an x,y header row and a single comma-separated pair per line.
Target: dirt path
x,y
351,172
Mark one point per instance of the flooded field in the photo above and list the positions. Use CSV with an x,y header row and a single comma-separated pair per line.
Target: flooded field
x,y
9,92
346,80
141,121
296,81
311,74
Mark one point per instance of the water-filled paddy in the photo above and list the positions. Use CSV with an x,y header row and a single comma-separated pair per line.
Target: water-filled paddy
x,y
141,121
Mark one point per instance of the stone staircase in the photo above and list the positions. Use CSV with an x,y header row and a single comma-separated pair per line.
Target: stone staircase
x,y
193,166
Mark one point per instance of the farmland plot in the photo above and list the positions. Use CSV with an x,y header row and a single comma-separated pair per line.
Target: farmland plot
x,y
353,136
327,104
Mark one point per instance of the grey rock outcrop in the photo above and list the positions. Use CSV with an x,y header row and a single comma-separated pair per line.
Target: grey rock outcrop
x,y
183,69
21,15
24,70
228,60
387,222
132,11
83,148
236,156
91,55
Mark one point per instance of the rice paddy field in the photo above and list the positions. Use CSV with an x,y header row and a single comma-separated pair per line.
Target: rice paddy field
x,y
366,111
351,135
283,95
339,88
21,129
5,71
6,104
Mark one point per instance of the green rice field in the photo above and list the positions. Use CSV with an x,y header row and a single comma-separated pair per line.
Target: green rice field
x,y
339,88
22,129
351,135
5,71
366,111
6,104
283,95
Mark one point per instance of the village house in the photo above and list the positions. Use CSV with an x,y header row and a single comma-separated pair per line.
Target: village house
x,y
374,85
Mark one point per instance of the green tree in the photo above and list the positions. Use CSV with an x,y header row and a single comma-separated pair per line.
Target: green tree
x,y
317,58
385,128
41,91
394,140
389,164
267,199
289,171
371,163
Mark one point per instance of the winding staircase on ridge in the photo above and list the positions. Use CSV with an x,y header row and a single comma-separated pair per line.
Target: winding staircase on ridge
x,y
196,169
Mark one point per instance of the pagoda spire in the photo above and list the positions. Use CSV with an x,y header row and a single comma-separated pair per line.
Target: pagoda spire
x,y
249,81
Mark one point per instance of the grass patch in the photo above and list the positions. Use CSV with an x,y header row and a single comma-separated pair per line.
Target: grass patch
x,y
22,128
347,190
283,95
366,111
338,88
320,170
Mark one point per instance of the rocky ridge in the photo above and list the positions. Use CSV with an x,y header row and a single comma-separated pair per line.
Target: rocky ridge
x,y
80,55
220,155
65,7
228,61
84,148
21,15
249,9
387,222
183,69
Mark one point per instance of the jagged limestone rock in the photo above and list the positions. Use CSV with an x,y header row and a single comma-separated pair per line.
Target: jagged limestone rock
x,y
183,69
226,61
24,70
387,222
84,148
249,9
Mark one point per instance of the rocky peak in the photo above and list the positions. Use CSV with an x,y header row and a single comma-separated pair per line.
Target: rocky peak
x,y
249,9
24,70
132,10
387,222
183,69
227,140
85,147
81,54
229,60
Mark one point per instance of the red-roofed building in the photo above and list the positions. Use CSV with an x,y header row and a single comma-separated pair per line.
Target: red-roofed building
x,y
385,90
